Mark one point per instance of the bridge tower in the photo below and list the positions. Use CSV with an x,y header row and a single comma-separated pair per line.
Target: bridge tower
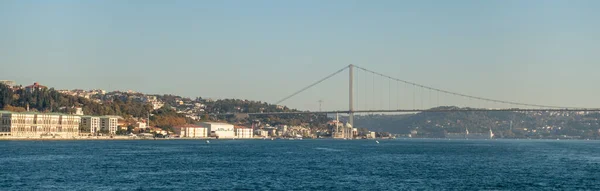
x,y
351,98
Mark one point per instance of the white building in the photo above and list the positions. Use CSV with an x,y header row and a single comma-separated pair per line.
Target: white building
x,y
9,83
261,133
371,135
19,124
46,123
244,133
156,104
28,124
141,125
193,131
78,111
89,125
69,125
220,130
109,123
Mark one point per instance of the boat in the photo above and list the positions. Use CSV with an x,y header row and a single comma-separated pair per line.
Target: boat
x,y
207,141
377,142
467,135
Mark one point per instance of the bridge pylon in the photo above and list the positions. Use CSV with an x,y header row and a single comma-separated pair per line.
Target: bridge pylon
x,y
351,97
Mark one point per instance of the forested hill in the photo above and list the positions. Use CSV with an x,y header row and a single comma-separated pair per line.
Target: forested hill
x,y
50,100
524,124
177,110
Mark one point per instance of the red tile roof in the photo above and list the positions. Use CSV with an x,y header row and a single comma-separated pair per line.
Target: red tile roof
x,y
36,85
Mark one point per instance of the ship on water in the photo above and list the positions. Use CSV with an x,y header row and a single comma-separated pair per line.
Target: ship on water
x,y
467,135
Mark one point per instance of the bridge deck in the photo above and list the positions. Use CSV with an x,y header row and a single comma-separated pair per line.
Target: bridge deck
x,y
423,110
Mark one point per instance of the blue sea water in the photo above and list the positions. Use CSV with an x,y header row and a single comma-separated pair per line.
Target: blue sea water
x,y
414,164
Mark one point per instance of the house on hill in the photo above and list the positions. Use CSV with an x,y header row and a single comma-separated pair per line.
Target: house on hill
x,y
35,86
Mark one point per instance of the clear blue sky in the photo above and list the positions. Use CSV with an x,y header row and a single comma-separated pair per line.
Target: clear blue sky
x,y
538,51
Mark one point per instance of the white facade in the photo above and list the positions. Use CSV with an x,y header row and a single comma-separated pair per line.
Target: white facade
x,y
9,83
371,135
194,132
220,130
78,111
141,125
244,133
109,123
46,124
156,104
19,124
69,125
261,133
90,124
39,125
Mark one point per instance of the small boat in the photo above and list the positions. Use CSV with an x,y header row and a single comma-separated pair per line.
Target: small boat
x,y
377,142
207,141
272,139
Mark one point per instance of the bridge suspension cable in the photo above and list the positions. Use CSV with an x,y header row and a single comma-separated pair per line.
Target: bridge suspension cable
x,y
310,86
459,94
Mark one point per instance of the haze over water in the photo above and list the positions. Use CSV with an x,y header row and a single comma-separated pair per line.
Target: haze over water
x,y
300,165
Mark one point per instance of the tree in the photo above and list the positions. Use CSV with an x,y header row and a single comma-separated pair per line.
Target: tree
x,y
121,132
14,109
104,132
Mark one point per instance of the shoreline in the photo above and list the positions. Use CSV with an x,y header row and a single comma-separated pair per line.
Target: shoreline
x,y
127,138
116,138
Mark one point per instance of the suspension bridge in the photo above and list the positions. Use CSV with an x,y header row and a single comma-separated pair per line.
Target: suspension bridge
x,y
420,93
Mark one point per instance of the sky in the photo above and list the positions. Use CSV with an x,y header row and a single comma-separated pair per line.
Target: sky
x,y
539,51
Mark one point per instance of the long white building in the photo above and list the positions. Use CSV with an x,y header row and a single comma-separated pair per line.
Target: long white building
x,y
219,130
244,133
192,131
29,124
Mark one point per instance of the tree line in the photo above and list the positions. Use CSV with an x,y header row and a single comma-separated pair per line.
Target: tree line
x,y
50,100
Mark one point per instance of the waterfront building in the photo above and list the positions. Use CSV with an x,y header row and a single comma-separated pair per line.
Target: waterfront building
x,y
282,130
272,132
69,125
4,128
141,125
192,131
109,123
243,133
20,124
29,124
219,130
261,133
46,123
89,125
371,135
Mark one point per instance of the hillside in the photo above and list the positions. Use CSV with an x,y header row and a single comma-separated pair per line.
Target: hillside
x,y
177,110
50,100
524,124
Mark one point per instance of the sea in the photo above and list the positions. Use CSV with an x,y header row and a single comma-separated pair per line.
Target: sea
x,y
401,164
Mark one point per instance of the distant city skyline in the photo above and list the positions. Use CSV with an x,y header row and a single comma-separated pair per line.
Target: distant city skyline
x,y
539,52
